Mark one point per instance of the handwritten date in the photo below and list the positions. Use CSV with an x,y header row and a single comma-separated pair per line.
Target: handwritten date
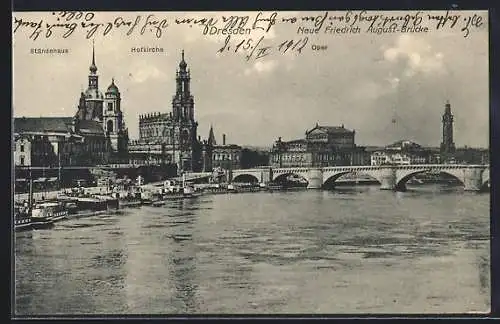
x,y
255,49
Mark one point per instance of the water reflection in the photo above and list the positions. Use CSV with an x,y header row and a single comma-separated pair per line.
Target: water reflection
x,y
183,257
351,250
25,283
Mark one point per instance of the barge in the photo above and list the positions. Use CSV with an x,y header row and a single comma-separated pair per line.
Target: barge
x,y
22,220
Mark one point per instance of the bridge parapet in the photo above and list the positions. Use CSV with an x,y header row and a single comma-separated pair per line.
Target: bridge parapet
x,y
391,177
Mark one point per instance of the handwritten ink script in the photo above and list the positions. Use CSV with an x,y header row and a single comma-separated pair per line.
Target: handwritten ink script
x,y
255,49
250,34
66,23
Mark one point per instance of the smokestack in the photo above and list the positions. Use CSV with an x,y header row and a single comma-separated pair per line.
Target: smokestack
x,y
223,139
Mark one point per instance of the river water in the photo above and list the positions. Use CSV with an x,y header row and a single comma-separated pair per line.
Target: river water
x,y
349,251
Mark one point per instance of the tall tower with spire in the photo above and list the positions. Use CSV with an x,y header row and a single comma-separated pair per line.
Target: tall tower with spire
x,y
92,96
171,138
447,144
183,101
93,78
184,119
211,137
103,115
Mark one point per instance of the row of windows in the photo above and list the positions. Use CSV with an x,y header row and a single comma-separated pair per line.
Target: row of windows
x,y
167,133
223,157
316,146
317,136
47,148
96,146
286,157
156,132
303,157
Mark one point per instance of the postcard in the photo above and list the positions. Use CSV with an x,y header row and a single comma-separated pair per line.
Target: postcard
x,y
264,162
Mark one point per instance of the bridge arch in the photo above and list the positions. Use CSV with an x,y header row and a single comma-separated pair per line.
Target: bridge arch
x,y
246,177
285,173
403,176
282,177
329,180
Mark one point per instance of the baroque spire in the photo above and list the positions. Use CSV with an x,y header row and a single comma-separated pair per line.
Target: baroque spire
x,y
211,136
93,67
182,64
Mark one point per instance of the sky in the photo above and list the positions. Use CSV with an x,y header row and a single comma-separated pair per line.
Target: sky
x,y
386,87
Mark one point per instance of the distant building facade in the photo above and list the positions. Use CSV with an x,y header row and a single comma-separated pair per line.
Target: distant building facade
x,y
91,137
322,146
226,156
469,155
402,152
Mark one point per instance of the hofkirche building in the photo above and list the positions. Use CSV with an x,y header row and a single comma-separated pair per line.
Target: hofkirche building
x,y
171,138
96,134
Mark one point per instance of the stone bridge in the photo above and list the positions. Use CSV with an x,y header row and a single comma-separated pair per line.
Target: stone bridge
x,y
391,177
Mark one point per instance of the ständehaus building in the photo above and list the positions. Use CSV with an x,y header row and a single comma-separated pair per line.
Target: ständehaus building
x,y
171,138
96,134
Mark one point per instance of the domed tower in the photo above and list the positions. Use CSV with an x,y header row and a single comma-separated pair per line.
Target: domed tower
x,y
112,119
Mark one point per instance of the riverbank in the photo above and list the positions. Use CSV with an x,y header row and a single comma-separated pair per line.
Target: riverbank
x,y
54,194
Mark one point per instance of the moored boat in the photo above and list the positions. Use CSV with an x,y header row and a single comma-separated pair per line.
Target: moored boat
x,y
72,207
41,223
39,219
91,204
158,203
44,215
23,224
175,191
22,220
111,202
130,203
22,214
190,192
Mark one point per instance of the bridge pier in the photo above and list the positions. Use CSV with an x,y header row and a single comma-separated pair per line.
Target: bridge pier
x,y
315,178
265,175
473,179
387,178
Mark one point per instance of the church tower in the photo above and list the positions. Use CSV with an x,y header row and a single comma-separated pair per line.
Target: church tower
x,y
112,121
93,77
93,97
447,145
184,120
183,102
211,137
82,107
